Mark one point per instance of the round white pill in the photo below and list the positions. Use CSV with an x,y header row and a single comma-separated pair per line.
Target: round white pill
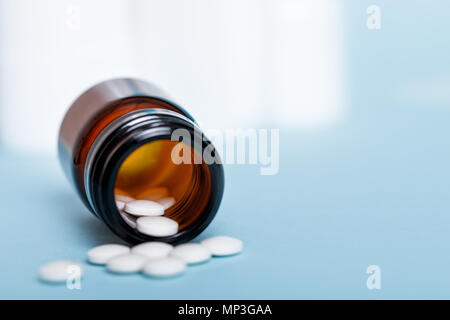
x,y
129,219
126,263
157,226
120,205
153,250
223,245
101,254
166,267
123,198
60,271
191,253
144,208
166,202
153,194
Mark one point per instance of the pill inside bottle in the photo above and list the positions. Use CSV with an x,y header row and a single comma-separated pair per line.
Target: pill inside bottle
x,y
116,146
149,173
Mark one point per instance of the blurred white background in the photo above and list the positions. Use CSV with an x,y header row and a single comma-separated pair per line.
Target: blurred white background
x,y
230,63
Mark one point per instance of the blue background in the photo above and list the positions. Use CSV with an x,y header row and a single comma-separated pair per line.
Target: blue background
x,y
373,189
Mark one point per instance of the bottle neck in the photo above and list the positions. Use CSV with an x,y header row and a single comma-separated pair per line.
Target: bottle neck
x,y
93,110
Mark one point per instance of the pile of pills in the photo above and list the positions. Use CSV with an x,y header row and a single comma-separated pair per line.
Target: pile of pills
x,y
146,212
159,259
154,259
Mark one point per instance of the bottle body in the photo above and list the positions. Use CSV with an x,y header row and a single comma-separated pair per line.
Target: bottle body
x,y
118,136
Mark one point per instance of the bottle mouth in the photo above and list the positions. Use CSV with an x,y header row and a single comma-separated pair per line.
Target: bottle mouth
x,y
134,157
150,173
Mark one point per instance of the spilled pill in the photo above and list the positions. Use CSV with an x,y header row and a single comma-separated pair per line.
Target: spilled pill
x,y
223,245
153,250
59,271
191,253
126,263
166,267
157,226
101,254
144,208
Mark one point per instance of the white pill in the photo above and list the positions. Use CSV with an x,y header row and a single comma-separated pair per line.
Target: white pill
x,y
129,219
126,263
157,226
166,267
223,245
123,198
153,250
153,194
166,202
60,271
144,208
120,205
101,254
191,253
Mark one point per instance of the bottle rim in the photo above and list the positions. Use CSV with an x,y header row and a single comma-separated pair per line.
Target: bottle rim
x,y
116,142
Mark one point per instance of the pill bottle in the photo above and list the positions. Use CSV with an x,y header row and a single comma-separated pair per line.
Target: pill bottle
x,y
117,138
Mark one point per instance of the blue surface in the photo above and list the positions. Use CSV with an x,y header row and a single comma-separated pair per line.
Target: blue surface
x,y
345,198
373,189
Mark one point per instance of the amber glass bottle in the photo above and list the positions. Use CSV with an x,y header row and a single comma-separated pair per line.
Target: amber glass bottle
x,y
118,136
